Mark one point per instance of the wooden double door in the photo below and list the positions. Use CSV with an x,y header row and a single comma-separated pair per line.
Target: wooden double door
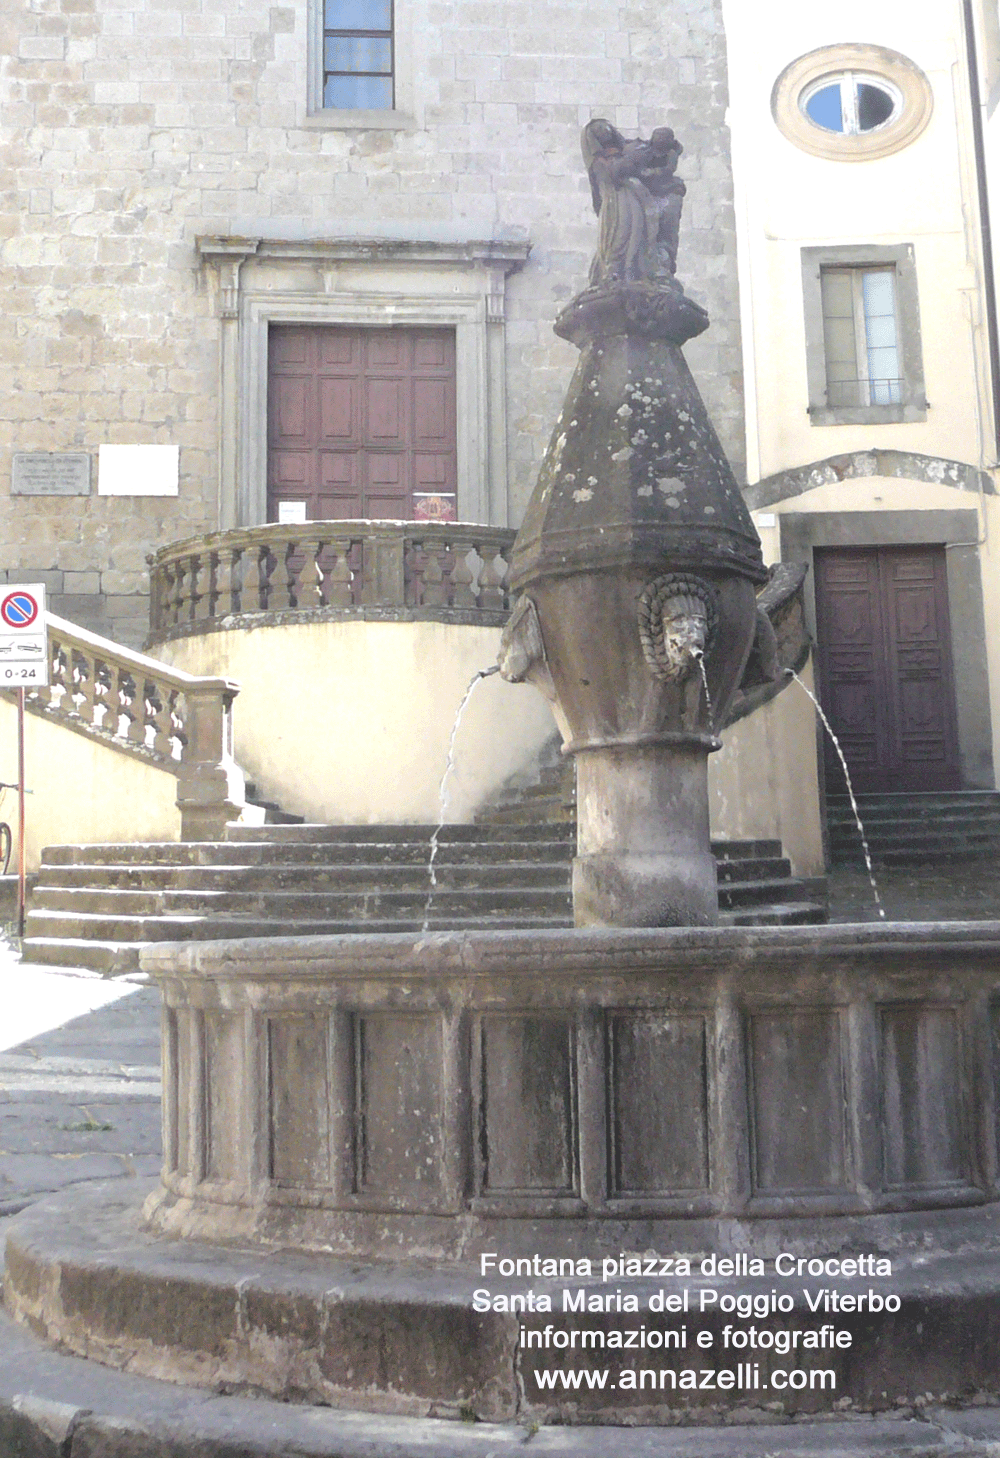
x,y
885,667
361,423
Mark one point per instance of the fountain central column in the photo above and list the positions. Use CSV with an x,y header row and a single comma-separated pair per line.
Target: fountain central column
x,y
637,563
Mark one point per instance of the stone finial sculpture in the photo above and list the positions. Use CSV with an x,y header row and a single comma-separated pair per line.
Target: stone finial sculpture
x,y
637,560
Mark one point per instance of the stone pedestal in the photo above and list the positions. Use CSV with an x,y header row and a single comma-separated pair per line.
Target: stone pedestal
x,y
643,833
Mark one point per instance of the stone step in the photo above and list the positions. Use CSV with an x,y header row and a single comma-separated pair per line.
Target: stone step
x,y
926,844
360,904
385,834
501,875
755,893
943,820
841,804
317,853
328,915
940,856
792,913
753,868
111,958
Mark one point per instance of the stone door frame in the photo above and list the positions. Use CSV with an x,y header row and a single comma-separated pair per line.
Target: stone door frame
x,y
956,530
368,284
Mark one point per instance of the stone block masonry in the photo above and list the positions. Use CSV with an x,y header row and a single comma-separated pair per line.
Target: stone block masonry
x,y
129,131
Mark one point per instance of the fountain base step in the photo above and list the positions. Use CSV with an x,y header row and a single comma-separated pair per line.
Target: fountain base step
x,y
57,1406
404,1338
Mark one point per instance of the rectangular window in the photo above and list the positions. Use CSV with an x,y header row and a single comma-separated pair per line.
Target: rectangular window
x,y
860,336
358,70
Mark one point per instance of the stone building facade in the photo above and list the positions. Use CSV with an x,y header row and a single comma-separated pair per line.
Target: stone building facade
x,y
174,188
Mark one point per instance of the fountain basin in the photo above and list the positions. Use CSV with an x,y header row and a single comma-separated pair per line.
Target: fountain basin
x,y
352,1123
435,1096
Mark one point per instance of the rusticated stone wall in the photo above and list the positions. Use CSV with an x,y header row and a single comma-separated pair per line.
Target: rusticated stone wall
x,y
130,129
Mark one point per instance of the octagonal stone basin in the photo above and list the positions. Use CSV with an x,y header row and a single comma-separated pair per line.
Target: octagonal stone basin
x,y
582,1091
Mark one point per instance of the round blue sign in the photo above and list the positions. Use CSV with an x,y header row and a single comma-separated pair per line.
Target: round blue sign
x,y
19,609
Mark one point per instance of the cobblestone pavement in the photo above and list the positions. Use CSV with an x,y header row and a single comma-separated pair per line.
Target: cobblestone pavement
x,y
81,1100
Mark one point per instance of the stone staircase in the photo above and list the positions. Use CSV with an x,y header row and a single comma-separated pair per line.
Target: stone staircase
x,y
908,830
94,906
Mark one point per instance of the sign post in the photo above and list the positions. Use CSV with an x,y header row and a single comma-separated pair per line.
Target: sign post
x,y
24,659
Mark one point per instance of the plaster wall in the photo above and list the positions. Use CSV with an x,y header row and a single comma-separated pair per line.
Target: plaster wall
x,y
81,792
349,722
787,200
763,784
129,131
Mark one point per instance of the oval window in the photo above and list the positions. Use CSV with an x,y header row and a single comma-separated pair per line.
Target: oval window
x,y
850,104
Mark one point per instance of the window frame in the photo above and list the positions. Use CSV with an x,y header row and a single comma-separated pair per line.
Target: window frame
x,y
900,258
402,115
876,63
850,117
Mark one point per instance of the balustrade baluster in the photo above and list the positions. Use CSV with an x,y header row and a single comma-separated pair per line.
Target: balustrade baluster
x,y
196,586
157,717
175,720
309,582
85,687
433,591
462,594
100,692
180,590
58,671
225,580
253,592
208,586
339,591
282,579
133,708
113,707
492,593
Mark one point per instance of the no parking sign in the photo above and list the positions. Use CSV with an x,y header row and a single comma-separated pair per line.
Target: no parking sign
x,y
24,655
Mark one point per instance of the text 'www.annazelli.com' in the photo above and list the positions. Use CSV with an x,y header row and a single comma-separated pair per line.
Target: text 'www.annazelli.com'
x,y
744,1377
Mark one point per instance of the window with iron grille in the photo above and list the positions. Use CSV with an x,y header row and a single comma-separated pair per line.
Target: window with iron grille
x,y
358,62
862,325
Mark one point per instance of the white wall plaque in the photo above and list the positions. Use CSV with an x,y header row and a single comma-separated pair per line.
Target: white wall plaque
x,y
138,470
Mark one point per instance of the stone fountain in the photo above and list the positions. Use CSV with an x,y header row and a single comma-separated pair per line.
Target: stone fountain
x,y
361,1132
637,562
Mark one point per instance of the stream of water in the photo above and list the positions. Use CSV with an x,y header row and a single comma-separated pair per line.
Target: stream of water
x,y
708,697
443,788
850,788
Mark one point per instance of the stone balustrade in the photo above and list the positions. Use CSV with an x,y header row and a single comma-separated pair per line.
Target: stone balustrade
x,y
444,571
140,706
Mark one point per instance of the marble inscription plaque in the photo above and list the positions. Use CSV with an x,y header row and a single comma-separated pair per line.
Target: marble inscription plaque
x,y
50,473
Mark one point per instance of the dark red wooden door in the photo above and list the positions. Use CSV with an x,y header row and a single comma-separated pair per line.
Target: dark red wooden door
x,y
361,423
885,667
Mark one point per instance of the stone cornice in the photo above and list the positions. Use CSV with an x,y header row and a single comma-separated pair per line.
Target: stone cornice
x,y
510,255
